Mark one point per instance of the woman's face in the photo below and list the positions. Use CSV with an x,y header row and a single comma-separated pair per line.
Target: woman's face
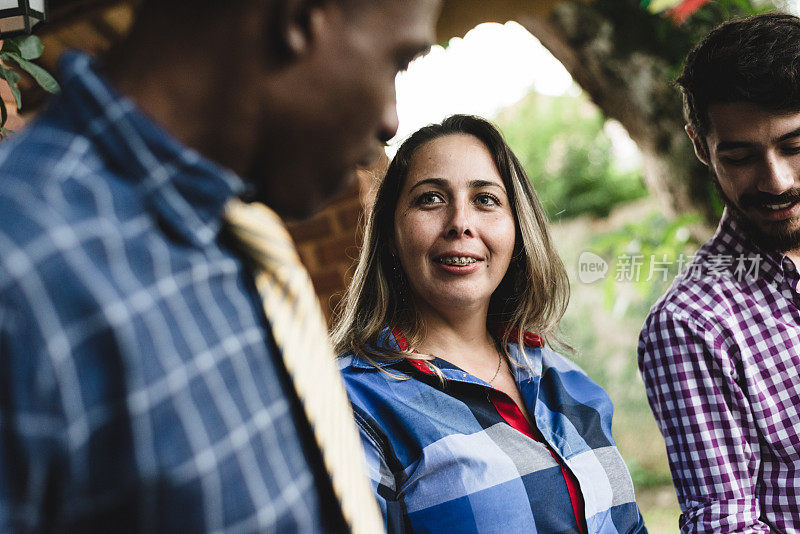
x,y
454,228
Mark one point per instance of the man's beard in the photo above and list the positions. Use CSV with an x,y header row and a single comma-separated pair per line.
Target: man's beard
x,y
780,237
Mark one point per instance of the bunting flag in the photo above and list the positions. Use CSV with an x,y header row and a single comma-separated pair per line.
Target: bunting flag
x,y
678,10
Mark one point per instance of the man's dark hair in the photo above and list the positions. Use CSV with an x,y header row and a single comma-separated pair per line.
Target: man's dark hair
x,y
754,60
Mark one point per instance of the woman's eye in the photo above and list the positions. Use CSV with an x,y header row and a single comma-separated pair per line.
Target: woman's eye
x,y
485,199
427,199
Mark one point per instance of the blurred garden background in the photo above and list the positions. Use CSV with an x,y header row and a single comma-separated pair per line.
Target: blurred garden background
x,y
600,136
598,204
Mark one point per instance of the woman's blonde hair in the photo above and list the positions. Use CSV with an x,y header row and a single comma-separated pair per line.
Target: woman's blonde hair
x,y
532,296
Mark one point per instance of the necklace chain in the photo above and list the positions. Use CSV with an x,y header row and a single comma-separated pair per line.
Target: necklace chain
x,y
499,365
499,362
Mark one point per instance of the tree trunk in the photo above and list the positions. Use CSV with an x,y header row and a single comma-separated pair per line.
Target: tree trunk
x,y
631,85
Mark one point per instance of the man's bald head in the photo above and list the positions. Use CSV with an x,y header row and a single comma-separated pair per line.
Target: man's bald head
x,y
293,95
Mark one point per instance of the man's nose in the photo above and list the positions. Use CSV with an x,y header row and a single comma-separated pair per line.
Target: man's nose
x,y
389,120
779,174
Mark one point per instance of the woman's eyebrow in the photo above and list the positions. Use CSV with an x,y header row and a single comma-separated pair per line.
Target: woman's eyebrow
x,y
438,182
477,184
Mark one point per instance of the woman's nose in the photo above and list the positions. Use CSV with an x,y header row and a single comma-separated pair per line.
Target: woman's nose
x,y
459,223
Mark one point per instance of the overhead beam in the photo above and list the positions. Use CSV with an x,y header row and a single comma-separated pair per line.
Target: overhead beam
x,y
63,13
460,16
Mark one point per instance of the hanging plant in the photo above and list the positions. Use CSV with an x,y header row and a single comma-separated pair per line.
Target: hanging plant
x,y
22,51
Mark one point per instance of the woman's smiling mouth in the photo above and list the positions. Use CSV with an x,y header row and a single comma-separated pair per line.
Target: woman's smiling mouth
x,y
456,260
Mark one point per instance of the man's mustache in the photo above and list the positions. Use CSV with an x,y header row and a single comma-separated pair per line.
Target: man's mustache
x,y
761,199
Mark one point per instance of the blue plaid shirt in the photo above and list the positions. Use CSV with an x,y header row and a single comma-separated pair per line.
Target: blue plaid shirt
x,y
139,387
442,458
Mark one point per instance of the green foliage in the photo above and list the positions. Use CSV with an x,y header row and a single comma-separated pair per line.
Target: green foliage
x,y
605,336
638,29
647,255
646,478
563,147
21,51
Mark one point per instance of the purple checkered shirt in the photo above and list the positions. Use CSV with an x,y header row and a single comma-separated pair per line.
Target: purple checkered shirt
x,y
719,354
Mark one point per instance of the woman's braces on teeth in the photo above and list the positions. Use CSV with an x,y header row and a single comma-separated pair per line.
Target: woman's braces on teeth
x,y
458,260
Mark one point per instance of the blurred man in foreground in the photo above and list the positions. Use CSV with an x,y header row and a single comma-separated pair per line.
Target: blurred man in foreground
x,y
720,351
144,384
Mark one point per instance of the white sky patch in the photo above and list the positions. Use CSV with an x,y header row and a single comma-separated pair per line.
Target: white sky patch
x,y
792,6
491,68
627,156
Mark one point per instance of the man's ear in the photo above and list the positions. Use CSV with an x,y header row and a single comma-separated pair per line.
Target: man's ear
x,y
294,26
699,145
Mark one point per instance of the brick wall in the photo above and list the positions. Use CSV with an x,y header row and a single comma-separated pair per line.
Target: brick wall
x,y
14,122
329,242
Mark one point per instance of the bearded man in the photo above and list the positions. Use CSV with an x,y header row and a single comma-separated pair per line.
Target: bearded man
x,y
720,351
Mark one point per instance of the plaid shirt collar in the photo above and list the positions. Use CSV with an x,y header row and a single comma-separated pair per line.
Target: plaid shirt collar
x,y
394,339
185,190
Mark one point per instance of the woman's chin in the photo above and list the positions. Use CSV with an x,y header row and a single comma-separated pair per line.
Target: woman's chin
x,y
461,301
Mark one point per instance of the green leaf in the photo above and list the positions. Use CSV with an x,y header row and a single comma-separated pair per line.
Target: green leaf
x,y
13,79
42,77
10,45
27,46
3,114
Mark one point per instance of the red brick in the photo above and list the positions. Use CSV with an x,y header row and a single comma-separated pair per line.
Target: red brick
x,y
340,202
314,229
342,250
14,122
308,256
350,215
327,282
350,191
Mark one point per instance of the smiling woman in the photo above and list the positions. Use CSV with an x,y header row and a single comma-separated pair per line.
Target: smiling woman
x,y
454,227
469,422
